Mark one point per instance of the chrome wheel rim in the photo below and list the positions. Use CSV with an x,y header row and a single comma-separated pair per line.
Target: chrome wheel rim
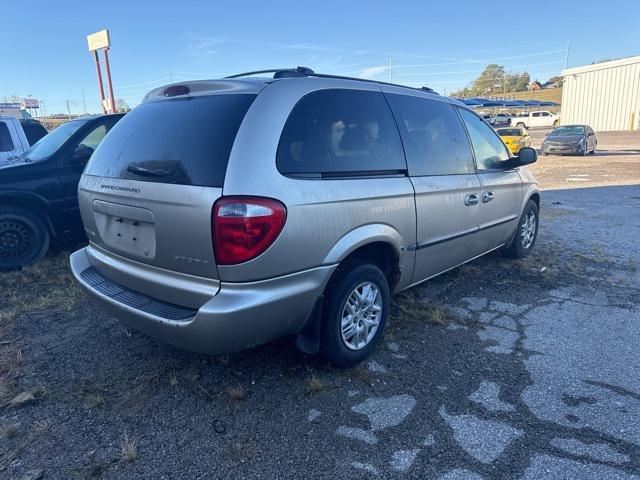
x,y
361,316
528,230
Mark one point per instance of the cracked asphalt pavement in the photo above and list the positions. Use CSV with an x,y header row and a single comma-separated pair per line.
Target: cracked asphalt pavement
x,y
530,370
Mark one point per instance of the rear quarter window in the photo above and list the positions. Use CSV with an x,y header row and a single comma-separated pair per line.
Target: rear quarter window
x,y
183,141
340,132
33,132
6,144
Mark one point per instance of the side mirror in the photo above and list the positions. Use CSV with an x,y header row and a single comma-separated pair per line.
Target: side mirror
x,y
526,156
81,155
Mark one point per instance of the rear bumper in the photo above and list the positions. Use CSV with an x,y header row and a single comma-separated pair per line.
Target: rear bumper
x,y
235,317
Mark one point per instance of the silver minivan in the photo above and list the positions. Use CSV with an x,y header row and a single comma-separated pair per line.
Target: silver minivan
x,y
223,214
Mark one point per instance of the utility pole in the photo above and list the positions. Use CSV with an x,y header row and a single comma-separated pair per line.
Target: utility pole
x,y
68,108
566,60
84,103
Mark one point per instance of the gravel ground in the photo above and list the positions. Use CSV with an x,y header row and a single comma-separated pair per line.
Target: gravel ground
x,y
498,369
615,162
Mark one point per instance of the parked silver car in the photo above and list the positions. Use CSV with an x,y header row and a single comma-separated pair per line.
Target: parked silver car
x,y
223,214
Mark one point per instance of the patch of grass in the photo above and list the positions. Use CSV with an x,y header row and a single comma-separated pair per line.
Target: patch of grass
x,y
45,286
315,384
95,401
574,266
410,308
363,374
469,269
133,399
128,449
439,316
237,392
9,430
7,457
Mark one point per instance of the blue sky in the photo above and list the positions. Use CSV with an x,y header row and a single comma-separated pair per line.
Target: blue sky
x,y
444,45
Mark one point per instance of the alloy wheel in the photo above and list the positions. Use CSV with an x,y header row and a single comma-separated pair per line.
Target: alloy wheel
x,y
528,230
361,316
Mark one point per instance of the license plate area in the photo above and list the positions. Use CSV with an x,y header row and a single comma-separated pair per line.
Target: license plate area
x,y
127,229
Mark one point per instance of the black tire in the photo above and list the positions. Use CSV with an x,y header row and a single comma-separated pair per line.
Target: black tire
x,y
345,281
24,238
556,123
521,125
520,248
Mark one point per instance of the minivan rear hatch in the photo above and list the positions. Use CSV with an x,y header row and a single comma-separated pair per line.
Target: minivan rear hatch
x,y
148,190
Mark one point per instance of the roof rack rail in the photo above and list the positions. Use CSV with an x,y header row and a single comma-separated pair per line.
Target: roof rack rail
x,y
307,72
278,72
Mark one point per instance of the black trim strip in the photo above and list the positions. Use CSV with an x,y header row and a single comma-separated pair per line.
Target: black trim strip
x,y
134,299
420,246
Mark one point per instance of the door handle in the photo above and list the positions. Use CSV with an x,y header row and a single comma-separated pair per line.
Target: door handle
x,y
487,197
471,199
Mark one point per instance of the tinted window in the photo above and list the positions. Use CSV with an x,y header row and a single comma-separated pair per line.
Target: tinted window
x,y
49,144
434,140
489,150
185,141
6,144
33,131
94,137
509,132
340,131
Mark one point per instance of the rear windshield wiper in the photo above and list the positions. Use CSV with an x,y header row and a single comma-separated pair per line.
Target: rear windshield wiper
x,y
147,172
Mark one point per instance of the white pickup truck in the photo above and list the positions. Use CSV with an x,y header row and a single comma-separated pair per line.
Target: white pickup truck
x,y
541,118
17,136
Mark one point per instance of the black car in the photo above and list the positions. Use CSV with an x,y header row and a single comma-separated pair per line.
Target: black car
x,y
38,190
570,139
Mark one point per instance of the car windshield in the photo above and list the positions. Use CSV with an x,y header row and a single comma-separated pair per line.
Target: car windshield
x,y
47,145
509,132
568,130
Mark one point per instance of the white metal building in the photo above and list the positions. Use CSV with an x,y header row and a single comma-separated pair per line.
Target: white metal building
x,y
605,95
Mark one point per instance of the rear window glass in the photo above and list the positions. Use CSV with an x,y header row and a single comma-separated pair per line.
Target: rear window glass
x,y
509,132
340,132
180,141
6,144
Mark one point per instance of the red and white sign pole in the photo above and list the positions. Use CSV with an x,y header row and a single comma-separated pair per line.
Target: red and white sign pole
x,y
101,41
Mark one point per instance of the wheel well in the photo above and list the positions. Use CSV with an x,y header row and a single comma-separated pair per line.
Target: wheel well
x,y
35,206
381,254
536,198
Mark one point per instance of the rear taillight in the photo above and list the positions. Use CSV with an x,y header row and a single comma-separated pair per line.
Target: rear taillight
x,y
244,227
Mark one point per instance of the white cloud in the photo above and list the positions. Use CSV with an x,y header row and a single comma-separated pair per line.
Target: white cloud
x,y
373,71
202,45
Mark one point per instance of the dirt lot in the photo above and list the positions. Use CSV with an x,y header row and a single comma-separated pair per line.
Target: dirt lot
x,y
498,369
614,163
